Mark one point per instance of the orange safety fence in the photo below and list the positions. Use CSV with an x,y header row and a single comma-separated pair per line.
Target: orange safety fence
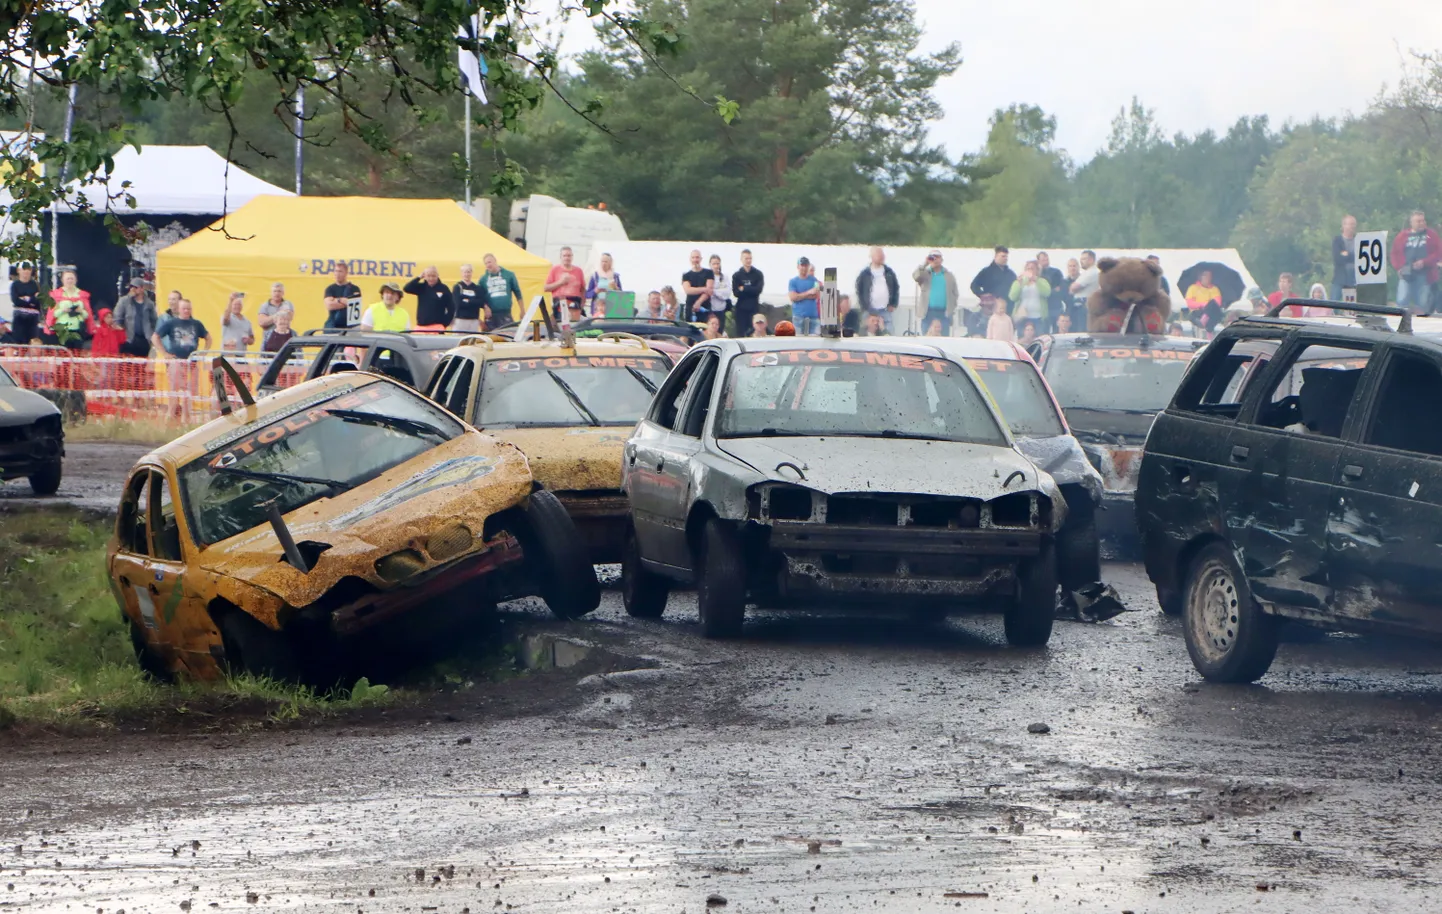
x,y
121,388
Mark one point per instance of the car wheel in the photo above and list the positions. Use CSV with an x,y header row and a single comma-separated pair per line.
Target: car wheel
x,y
251,647
46,480
643,592
1029,618
150,663
1229,637
720,582
558,560
1079,556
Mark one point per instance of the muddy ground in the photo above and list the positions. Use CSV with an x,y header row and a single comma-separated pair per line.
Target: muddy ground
x,y
94,474
820,764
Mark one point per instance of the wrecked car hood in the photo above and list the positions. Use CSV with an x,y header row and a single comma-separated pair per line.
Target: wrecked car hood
x,y
845,464
572,459
1062,457
459,483
22,407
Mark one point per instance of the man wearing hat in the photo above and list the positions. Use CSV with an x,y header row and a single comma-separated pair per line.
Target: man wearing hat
x,y
387,314
804,290
937,286
135,314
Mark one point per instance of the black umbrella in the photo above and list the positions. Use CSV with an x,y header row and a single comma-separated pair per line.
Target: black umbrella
x,y
1223,277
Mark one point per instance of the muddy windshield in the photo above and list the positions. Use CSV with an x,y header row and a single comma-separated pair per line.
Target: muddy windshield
x,y
1117,379
849,393
309,450
1021,394
565,391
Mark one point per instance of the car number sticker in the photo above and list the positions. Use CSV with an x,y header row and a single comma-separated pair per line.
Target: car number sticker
x,y
847,357
1181,355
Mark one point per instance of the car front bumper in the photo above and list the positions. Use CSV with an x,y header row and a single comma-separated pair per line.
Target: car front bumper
x,y
600,519
26,449
870,562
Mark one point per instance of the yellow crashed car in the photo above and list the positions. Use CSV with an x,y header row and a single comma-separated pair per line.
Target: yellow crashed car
x,y
569,408
266,539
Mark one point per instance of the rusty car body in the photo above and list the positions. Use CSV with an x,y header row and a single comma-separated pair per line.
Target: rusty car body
x,y
269,538
1293,477
568,408
1031,411
871,472
1111,386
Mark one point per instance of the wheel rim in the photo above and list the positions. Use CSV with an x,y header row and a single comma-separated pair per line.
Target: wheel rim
x,y
1215,612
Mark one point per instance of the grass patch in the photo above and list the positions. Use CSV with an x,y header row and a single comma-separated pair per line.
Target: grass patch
x,y
127,431
65,650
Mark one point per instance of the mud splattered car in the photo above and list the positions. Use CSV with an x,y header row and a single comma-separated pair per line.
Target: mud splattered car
x,y
569,409
32,439
1111,386
1040,430
1293,477
268,538
793,472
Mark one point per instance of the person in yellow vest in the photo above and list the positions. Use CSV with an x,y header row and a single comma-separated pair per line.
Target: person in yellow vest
x,y
387,314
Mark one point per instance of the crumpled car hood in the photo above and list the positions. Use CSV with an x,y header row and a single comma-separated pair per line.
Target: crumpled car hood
x,y
839,464
1062,457
463,481
572,459
22,407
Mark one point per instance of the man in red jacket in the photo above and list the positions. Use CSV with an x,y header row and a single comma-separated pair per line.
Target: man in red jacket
x,y
1415,256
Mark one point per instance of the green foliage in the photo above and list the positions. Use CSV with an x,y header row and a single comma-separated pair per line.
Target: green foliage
x,y
1021,183
824,106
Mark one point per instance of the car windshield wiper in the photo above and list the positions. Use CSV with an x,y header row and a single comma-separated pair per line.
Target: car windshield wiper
x,y
1116,409
645,381
897,433
575,400
265,476
414,426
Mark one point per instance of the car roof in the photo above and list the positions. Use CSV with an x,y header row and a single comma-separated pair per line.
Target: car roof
x,y
975,347
1128,340
412,340
483,350
898,344
212,434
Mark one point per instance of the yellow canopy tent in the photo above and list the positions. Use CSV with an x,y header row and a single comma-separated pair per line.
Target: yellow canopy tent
x,y
299,240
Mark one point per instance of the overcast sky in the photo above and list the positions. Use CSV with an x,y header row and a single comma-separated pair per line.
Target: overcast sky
x,y
1198,64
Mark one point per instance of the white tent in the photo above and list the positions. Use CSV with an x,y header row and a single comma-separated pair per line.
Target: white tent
x,y
179,180
648,265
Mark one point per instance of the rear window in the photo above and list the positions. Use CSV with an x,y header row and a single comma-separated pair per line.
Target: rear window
x,y
565,391
1022,396
1117,378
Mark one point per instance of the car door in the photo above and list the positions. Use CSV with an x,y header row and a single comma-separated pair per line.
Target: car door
x,y
1289,445
1191,480
149,566
645,479
679,449
1384,531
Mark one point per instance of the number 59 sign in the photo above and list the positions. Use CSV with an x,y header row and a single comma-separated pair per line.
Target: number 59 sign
x,y
1371,252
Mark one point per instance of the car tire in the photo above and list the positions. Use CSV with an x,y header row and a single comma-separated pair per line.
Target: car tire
x,y
1228,635
46,480
1079,556
1028,620
643,592
720,582
252,647
150,663
558,560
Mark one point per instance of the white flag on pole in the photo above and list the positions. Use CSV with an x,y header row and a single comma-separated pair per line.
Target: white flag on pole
x,y
473,66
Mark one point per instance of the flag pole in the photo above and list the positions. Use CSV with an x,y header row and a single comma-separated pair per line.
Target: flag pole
x,y
299,133
468,148
55,205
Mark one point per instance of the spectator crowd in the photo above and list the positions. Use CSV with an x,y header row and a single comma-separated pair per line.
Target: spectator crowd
x,y
1004,304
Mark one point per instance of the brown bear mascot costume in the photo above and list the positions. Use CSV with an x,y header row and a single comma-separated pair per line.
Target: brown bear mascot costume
x,y
1128,285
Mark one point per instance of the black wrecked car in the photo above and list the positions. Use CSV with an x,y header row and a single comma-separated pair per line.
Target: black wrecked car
x,y
1296,475
410,358
32,439
1110,387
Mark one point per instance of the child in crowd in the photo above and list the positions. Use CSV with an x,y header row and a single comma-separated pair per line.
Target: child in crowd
x,y
108,336
999,325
